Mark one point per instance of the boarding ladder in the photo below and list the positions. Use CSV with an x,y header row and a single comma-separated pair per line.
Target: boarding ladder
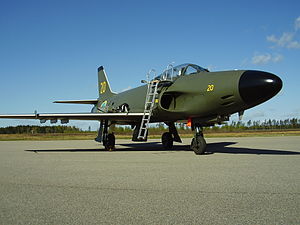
x,y
149,104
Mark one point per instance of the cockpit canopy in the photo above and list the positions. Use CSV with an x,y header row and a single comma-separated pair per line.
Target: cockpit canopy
x,y
180,70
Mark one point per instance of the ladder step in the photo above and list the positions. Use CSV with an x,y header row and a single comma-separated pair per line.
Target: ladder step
x,y
149,104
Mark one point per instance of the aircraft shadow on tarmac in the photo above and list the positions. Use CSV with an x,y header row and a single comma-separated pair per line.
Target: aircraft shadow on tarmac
x,y
221,147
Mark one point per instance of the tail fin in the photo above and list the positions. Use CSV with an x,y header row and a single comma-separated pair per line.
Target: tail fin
x,y
103,85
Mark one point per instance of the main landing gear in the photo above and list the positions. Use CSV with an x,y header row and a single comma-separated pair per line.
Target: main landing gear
x,y
198,144
108,139
168,138
109,142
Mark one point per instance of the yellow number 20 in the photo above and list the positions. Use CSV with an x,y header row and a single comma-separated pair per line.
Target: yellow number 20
x,y
103,87
210,87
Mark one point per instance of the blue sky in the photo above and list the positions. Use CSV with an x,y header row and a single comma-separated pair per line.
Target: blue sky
x,y
50,50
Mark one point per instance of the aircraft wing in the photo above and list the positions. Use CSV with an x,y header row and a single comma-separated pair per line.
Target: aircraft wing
x,y
91,102
117,117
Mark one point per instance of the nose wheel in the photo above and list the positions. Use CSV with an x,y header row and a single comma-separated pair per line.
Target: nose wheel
x,y
198,144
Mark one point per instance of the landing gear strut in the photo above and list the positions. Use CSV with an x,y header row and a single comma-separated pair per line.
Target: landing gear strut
x,y
198,144
108,139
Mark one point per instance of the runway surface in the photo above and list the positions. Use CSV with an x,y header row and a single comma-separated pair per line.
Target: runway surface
x,y
240,181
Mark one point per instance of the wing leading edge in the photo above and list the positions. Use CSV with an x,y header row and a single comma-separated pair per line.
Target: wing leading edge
x,y
64,117
92,102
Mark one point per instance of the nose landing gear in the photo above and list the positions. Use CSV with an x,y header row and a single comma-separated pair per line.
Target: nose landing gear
x,y
198,144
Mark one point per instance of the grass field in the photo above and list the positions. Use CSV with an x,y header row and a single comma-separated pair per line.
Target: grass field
x,y
91,136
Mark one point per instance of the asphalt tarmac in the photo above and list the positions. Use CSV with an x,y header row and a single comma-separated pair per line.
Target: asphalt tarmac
x,y
239,181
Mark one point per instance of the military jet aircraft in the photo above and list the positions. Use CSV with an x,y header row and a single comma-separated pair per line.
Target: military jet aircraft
x,y
186,93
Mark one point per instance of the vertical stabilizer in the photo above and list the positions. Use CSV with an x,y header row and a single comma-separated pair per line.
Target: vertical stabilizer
x,y
103,84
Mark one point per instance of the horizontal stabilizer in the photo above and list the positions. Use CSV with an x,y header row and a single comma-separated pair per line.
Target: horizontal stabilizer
x,y
92,102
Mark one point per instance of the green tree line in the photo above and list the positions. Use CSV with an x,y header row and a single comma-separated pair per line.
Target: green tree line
x,y
269,124
232,126
39,129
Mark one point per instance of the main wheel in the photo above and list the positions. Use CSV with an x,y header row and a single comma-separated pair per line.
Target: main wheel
x,y
109,144
198,145
167,140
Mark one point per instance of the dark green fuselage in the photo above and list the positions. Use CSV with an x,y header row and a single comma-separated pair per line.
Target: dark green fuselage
x,y
205,95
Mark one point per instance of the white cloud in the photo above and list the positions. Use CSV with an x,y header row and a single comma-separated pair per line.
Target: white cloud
x,y
293,44
297,23
283,40
277,58
261,59
286,40
272,38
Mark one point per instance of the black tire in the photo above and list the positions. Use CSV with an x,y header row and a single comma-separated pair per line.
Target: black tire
x,y
167,140
110,142
198,145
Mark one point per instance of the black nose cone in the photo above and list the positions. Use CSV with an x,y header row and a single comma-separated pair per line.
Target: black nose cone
x,y
256,87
